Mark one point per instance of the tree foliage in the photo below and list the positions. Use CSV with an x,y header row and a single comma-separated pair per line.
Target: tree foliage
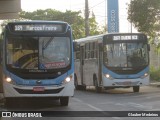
x,y
145,15
72,17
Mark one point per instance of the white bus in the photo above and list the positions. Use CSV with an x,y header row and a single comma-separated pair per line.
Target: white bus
x,y
112,61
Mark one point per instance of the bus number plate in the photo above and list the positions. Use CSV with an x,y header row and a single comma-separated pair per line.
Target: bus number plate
x,y
127,83
38,89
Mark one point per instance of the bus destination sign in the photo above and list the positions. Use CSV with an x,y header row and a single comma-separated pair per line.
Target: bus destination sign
x,y
39,27
125,37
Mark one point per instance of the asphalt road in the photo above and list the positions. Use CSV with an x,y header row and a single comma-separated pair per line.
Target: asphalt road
x,y
148,99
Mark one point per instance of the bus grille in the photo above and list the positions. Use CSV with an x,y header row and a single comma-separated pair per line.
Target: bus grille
x,y
53,91
127,83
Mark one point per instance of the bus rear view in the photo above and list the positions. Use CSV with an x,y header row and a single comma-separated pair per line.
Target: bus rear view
x,y
125,60
38,60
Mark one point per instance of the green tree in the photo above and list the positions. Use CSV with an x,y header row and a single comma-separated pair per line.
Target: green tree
x,y
93,25
145,16
72,17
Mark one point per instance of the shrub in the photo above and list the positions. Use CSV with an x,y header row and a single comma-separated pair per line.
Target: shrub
x,y
154,74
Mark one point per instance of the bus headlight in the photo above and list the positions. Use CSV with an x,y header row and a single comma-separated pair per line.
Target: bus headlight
x,y
108,76
145,75
68,79
8,79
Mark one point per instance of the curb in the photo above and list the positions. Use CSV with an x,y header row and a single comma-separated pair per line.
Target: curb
x,y
155,84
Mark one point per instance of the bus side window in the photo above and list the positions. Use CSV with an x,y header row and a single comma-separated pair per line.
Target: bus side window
x,y
77,55
76,51
92,50
86,50
95,50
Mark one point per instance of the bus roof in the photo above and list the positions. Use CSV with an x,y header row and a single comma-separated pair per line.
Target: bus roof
x,y
100,37
90,38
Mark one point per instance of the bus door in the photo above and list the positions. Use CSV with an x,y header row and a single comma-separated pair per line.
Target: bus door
x,y
82,64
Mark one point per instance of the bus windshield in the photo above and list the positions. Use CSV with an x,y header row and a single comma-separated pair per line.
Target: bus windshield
x,y
126,54
38,52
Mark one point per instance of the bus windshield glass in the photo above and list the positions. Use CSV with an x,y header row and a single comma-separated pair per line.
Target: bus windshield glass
x,y
38,52
123,54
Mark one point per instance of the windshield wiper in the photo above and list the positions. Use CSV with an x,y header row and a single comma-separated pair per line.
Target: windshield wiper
x,y
48,42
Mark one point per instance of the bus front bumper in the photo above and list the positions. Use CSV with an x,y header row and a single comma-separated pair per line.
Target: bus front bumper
x,y
125,82
11,90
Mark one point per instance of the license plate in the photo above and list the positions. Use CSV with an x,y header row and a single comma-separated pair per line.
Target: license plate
x,y
38,89
127,83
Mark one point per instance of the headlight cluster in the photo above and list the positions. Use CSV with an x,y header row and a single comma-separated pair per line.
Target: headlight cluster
x,y
109,76
68,79
9,80
145,75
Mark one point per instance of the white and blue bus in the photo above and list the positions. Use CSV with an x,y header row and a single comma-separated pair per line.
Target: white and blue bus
x,y
112,61
37,61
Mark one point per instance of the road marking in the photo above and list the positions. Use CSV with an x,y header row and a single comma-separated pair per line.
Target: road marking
x,y
154,110
139,105
120,104
155,96
105,103
93,107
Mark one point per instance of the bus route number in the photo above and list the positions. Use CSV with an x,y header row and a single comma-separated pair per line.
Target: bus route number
x,y
18,27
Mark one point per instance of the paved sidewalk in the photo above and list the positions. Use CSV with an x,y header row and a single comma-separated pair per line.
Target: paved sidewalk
x,y
155,84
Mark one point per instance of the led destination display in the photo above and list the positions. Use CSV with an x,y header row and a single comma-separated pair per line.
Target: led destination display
x,y
39,27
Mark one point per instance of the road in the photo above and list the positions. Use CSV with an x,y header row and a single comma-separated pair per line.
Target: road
x,y
148,99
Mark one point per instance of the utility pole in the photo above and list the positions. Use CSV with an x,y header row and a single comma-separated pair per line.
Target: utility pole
x,y
105,24
86,18
131,14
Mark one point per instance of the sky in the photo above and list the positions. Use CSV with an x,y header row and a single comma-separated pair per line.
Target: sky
x,y
97,6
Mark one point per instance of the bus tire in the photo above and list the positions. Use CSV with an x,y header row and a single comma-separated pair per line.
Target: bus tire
x,y
82,87
64,101
76,82
136,88
95,82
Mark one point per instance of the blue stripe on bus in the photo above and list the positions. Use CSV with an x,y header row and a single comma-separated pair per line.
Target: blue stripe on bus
x,y
32,82
130,76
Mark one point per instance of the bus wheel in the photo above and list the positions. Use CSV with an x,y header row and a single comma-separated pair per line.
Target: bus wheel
x,y
136,88
98,89
76,82
64,101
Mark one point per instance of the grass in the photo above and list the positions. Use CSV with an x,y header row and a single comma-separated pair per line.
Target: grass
x,y
155,74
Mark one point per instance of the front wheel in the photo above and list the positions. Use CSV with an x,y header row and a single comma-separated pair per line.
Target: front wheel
x,y
136,88
97,88
76,82
64,101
